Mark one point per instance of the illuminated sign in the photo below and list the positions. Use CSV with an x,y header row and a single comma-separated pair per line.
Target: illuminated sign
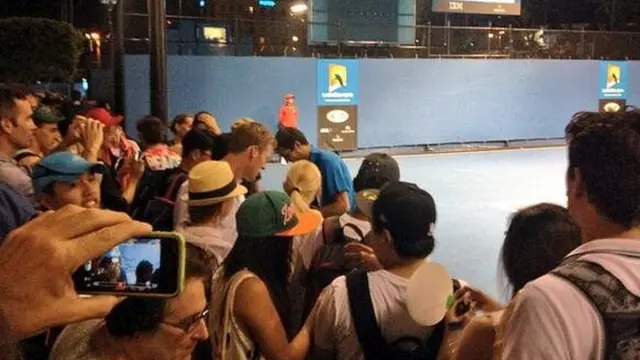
x,y
488,7
267,3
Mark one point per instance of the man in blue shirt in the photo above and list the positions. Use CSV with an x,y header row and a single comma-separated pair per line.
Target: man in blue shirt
x,y
15,210
338,195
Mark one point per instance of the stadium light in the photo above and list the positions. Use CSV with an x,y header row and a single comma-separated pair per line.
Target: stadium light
x,y
299,7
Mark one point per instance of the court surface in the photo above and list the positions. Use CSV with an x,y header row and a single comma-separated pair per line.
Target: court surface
x,y
475,193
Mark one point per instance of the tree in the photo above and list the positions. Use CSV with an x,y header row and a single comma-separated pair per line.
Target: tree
x,y
38,49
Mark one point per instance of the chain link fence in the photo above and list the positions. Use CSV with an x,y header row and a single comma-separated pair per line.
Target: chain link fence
x,y
242,37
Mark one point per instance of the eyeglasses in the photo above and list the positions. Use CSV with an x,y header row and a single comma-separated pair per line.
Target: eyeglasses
x,y
189,324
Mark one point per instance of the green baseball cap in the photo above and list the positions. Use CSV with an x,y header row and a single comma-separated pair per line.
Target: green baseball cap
x,y
45,115
271,213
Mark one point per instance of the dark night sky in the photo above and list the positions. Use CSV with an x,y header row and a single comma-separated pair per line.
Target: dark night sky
x,y
91,14
88,13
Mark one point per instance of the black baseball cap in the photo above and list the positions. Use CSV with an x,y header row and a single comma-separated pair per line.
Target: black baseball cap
x,y
376,170
409,214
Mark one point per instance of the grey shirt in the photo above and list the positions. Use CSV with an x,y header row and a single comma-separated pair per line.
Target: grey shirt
x,y
74,343
17,177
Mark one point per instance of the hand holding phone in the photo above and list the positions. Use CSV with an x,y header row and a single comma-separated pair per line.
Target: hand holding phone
x,y
150,266
37,261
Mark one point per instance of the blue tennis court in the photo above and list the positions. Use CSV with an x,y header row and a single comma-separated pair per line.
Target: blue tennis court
x,y
475,193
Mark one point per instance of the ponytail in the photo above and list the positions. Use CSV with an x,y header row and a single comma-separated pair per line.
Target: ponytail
x,y
298,201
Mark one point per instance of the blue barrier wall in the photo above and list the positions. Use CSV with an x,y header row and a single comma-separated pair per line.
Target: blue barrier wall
x,y
402,102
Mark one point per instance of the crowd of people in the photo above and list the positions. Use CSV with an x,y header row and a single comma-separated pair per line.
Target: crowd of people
x,y
319,269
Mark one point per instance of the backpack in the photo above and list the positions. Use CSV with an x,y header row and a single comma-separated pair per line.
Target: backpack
x,y
373,344
619,309
328,262
158,211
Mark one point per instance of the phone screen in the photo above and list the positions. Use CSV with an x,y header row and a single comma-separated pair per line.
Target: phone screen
x,y
148,266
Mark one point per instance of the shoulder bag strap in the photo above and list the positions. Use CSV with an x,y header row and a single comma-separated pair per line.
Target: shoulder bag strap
x,y
174,186
227,308
355,228
364,318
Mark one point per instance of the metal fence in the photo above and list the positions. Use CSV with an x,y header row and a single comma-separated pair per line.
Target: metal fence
x,y
241,37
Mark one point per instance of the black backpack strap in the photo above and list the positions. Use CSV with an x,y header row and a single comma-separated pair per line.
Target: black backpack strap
x,y
23,155
619,309
338,237
364,318
434,342
329,224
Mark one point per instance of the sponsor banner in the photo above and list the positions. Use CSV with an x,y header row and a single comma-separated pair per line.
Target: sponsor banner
x,y
338,127
612,105
487,7
613,80
338,82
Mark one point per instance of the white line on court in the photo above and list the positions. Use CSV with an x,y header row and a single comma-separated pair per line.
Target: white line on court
x,y
454,153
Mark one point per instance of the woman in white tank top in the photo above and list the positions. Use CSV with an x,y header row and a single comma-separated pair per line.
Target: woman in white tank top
x,y
250,303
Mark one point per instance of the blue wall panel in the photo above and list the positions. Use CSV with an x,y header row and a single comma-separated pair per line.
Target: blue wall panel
x,y
402,102
633,92
229,87
430,101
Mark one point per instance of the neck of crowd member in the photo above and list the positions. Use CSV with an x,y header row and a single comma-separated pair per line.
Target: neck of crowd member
x,y
606,229
237,165
35,148
186,165
305,151
404,268
6,147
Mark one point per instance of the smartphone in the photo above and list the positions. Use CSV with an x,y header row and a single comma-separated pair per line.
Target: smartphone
x,y
150,266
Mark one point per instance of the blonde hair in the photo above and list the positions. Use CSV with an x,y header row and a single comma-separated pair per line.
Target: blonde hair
x,y
247,132
240,122
302,183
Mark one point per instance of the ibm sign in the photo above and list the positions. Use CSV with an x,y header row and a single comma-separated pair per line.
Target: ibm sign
x,y
488,7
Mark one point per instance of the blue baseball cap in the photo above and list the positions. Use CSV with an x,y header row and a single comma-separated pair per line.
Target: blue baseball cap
x,y
63,167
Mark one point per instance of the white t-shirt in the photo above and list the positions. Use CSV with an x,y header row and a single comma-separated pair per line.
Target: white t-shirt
x,y
334,330
552,319
181,214
211,239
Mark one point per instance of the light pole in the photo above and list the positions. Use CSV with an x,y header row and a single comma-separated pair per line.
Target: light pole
x,y
116,51
158,58
110,4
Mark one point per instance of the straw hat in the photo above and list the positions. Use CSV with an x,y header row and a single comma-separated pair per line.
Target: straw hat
x,y
212,182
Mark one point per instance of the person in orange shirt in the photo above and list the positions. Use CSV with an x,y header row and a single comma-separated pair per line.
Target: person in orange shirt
x,y
288,113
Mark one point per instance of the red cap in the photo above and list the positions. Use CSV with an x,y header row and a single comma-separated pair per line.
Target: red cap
x,y
104,116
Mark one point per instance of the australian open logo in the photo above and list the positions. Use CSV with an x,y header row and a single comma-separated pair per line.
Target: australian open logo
x,y
338,79
613,86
